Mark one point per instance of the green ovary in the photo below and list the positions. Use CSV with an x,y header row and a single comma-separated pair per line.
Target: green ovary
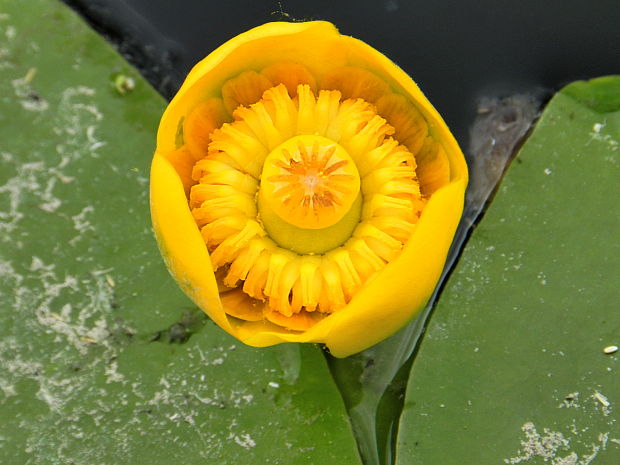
x,y
309,241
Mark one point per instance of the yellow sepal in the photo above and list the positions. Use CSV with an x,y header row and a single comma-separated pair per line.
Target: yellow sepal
x,y
395,293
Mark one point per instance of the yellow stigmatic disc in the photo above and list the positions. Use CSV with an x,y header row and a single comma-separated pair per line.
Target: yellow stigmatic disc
x,y
310,182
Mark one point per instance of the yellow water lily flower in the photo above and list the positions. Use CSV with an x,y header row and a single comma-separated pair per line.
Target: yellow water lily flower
x,y
304,190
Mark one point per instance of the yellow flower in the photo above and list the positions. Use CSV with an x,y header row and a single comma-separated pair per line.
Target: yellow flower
x,y
304,190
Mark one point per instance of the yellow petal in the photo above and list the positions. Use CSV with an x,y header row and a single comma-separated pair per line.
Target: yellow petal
x,y
355,82
291,74
245,89
200,123
433,167
239,306
301,321
411,128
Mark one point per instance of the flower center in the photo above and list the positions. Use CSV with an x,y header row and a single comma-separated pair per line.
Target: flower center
x,y
301,200
310,182
309,199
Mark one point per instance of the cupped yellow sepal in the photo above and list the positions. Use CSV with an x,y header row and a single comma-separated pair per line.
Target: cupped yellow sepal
x,y
292,125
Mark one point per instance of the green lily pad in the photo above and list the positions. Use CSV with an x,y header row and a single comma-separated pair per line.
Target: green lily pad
x,y
102,359
373,382
513,367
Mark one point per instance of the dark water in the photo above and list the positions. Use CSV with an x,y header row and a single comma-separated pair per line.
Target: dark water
x,y
457,51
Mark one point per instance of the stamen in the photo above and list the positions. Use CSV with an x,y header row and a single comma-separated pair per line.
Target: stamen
x,y
333,297
398,228
277,262
352,116
257,276
280,297
384,205
242,265
218,207
233,178
325,111
369,136
382,244
306,122
259,121
239,143
216,232
361,252
308,288
349,276
228,250
282,110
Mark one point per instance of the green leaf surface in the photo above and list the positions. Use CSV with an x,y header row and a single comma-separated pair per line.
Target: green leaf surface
x,y
102,359
512,369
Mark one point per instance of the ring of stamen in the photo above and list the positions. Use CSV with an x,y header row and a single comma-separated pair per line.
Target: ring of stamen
x,y
302,199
